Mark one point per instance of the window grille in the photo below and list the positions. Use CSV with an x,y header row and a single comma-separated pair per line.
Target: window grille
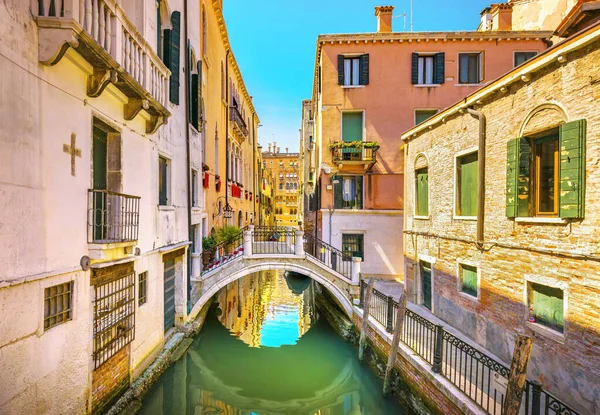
x,y
353,245
142,288
114,317
57,304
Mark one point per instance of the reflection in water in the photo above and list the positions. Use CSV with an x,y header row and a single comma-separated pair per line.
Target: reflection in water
x,y
265,352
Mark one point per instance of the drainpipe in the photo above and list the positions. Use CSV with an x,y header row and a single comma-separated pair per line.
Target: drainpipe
x,y
187,155
480,175
227,131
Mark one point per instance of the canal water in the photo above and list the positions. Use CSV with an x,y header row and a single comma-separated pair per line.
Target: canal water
x,y
263,350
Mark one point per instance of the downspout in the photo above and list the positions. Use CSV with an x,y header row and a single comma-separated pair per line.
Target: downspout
x,y
480,176
187,155
226,131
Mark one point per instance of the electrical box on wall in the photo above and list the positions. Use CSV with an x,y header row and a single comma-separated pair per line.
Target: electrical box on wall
x,y
329,187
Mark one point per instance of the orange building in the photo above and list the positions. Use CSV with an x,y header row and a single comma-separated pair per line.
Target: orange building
x,y
370,87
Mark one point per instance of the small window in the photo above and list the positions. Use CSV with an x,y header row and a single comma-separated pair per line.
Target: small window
x,y
58,302
351,71
348,192
428,68
545,154
466,185
521,57
546,306
352,126
164,165
142,287
353,246
424,115
194,188
422,192
468,279
469,68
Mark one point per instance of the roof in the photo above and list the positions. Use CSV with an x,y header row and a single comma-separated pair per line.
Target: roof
x,y
521,73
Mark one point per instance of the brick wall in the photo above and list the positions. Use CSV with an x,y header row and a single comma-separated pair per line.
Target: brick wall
x,y
561,254
110,380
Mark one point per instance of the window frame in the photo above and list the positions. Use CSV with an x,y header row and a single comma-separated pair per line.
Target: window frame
x,y
416,204
142,282
418,286
437,110
69,312
355,243
457,156
348,82
423,56
340,179
195,201
535,178
480,68
460,264
166,181
539,328
535,52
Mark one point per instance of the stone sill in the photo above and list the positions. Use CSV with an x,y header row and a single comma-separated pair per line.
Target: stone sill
x,y
352,86
546,332
471,218
166,208
559,221
427,85
110,245
422,217
479,85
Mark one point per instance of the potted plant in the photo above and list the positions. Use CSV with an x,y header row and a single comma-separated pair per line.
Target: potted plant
x,y
209,244
228,234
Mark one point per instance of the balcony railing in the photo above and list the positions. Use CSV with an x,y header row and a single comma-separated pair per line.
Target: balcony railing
x,y
238,121
112,217
101,32
360,152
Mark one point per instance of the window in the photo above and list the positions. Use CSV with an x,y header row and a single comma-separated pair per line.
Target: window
x,y
428,69
171,47
164,167
58,301
194,188
466,185
468,279
280,186
469,68
521,57
546,306
348,192
142,288
424,115
353,70
353,245
422,192
543,182
204,32
352,126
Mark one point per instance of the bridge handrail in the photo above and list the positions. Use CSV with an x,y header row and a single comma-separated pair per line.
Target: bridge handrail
x,y
330,256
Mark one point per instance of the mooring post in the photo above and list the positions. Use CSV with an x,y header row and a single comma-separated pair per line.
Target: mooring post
x,y
400,313
437,353
365,322
518,375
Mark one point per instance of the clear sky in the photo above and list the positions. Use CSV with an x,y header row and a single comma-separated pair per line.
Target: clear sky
x,y
274,44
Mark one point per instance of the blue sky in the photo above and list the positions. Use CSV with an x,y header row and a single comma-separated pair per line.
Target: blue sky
x,y
274,44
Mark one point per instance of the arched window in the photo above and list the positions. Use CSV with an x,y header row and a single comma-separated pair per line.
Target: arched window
x,y
204,32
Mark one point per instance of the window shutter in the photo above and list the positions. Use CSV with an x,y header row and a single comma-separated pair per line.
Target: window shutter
x,y
438,64
340,69
572,170
338,201
364,69
415,69
173,37
319,78
512,171
194,101
359,192
200,106
523,177
422,192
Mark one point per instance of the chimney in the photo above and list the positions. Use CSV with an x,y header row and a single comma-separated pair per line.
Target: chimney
x,y
286,150
269,147
278,150
384,18
502,16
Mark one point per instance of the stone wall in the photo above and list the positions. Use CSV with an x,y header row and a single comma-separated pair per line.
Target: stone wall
x,y
550,251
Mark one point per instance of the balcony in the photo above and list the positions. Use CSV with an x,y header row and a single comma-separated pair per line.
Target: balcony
x,y
354,152
112,217
239,125
101,33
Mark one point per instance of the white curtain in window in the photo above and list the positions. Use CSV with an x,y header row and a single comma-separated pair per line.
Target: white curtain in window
x,y
429,70
355,71
347,71
348,189
420,65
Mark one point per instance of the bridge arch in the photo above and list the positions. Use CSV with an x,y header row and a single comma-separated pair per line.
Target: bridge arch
x,y
339,295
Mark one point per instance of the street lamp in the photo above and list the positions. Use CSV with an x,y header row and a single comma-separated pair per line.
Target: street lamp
x,y
227,212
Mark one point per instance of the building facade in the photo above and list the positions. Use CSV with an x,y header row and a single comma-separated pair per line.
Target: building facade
x,y
286,171
367,89
308,164
501,219
106,106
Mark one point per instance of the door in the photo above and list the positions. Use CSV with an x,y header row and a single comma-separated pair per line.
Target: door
x,y
426,284
99,149
169,306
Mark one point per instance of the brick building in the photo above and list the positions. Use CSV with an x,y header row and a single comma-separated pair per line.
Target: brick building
x,y
502,223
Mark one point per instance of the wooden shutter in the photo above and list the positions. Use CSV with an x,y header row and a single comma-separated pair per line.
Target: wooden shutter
x,y
512,172
200,104
359,192
572,170
468,185
319,78
364,69
415,69
439,62
338,201
524,177
172,45
469,279
340,69
352,128
194,101
422,192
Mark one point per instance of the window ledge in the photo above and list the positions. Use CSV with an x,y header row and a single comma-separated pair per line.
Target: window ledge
x,y
352,86
422,217
540,220
546,332
477,85
469,296
473,218
166,208
427,85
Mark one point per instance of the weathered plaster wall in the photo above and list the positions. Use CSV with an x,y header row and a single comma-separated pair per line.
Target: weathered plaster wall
x,y
539,14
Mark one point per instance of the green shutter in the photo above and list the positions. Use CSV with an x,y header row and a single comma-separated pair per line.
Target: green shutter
x,y
512,170
338,201
572,170
340,69
194,101
439,61
173,37
548,306
200,105
422,192
364,69
467,166
469,279
524,177
359,192
352,126
414,73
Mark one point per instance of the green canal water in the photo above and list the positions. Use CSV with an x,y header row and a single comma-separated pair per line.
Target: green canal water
x,y
263,350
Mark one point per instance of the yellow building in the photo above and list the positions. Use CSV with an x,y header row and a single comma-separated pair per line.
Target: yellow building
x,y
266,180
287,173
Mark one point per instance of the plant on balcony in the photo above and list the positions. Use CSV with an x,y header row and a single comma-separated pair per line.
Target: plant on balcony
x,y
209,243
205,167
353,144
228,235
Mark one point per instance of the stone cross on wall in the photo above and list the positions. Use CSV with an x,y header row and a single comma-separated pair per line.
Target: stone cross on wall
x,y
74,152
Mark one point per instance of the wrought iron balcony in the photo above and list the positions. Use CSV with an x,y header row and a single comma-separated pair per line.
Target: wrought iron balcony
x,y
357,152
239,124
101,33
112,217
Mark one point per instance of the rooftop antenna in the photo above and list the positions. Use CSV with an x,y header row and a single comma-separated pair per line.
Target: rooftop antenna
x,y
401,15
411,21
404,15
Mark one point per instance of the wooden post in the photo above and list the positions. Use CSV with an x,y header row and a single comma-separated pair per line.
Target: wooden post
x,y
395,343
518,375
365,322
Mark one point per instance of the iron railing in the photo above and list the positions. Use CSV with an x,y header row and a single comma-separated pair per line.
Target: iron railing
x,y
473,372
112,217
238,120
226,251
273,240
364,152
326,254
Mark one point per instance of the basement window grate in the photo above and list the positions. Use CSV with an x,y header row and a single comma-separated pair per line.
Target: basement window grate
x,y
58,301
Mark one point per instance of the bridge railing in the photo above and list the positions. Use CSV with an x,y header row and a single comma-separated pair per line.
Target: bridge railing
x,y
328,255
226,251
273,240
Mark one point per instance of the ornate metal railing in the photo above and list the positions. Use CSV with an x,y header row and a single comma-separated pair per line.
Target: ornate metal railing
x,y
273,240
326,254
472,371
361,151
226,251
112,217
238,120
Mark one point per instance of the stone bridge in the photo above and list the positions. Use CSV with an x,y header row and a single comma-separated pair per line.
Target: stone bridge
x,y
263,249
